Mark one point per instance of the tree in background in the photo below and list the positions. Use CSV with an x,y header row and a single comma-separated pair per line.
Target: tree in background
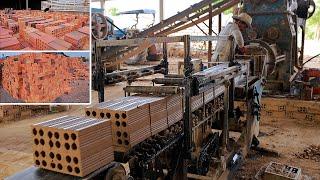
x,y
313,24
113,11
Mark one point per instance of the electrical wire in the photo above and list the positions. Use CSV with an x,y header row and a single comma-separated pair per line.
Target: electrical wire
x,y
310,59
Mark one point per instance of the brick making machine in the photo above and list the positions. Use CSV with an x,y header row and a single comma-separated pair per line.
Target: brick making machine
x,y
198,125
179,128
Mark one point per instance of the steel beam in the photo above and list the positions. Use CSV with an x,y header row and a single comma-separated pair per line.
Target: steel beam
x,y
138,41
153,89
177,17
169,81
214,13
197,15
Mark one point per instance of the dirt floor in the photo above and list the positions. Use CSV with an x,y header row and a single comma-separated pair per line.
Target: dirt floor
x,y
288,138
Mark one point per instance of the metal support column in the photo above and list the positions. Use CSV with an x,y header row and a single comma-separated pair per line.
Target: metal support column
x,y
225,130
210,34
187,93
187,116
165,59
102,3
161,10
99,73
219,23
231,98
27,4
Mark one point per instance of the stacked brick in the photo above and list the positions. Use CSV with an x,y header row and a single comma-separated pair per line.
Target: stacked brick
x,y
58,31
13,113
7,41
135,118
43,41
72,145
48,30
281,108
78,69
41,77
77,39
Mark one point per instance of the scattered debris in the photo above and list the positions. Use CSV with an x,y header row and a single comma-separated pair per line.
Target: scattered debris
x,y
266,152
312,153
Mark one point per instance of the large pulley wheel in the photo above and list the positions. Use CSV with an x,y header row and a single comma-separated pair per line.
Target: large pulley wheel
x,y
311,9
99,26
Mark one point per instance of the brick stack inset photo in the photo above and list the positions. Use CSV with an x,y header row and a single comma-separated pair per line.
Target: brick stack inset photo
x,y
41,77
72,145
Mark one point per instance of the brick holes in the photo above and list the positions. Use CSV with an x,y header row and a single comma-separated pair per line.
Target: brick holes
x,y
75,160
44,163
73,136
68,159
37,162
67,146
69,168
66,136
126,142
56,135
41,141
51,155
124,115
58,156
125,134
43,154
50,134
74,146
94,113
36,141
117,123
41,132
50,143
119,141
59,166
118,133
88,113
77,170
117,116
124,124
58,145
36,153
102,115
108,115
53,165
34,131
